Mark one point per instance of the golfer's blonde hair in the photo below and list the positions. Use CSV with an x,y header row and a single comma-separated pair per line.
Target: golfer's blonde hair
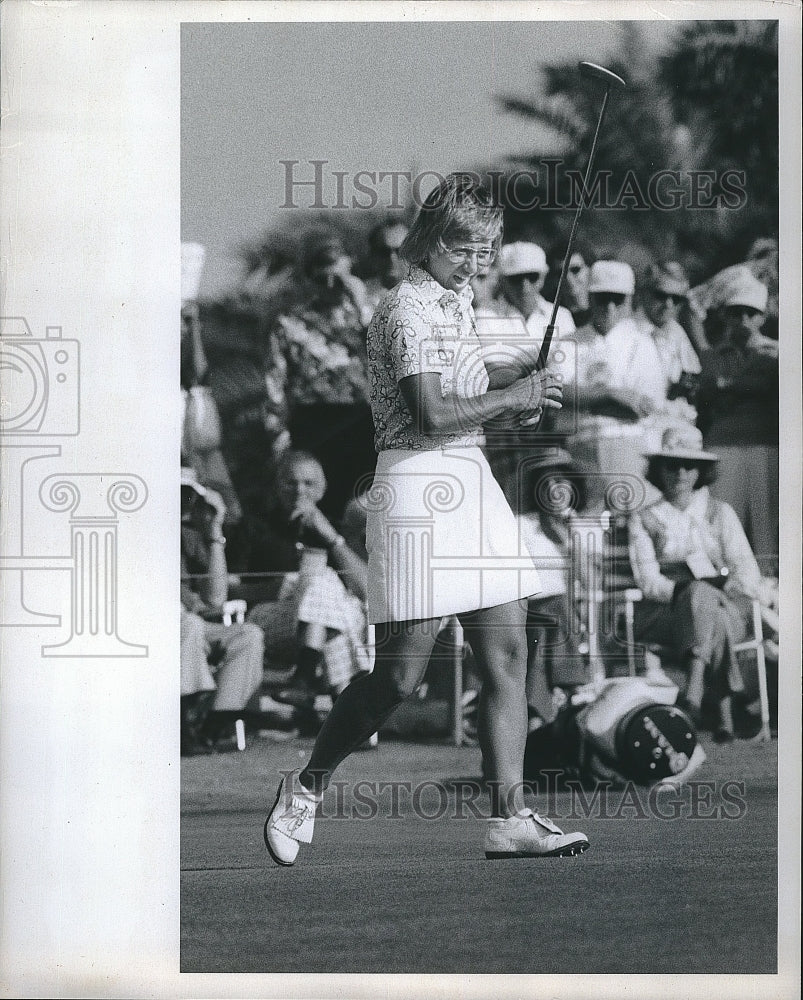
x,y
459,209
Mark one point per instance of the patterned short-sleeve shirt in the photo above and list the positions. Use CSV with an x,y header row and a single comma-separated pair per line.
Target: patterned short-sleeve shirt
x,y
420,326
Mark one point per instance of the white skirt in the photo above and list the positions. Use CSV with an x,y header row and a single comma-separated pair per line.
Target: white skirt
x,y
441,538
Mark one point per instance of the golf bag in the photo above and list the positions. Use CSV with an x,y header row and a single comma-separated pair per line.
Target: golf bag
x,y
631,731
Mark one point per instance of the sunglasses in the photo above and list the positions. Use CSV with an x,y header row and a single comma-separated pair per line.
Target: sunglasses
x,y
608,298
737,312
680,463
675,300
517,279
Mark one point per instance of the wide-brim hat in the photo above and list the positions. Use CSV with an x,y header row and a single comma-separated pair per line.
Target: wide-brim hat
x,y
683,442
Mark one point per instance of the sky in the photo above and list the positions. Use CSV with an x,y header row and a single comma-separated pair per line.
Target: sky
x,y
361,96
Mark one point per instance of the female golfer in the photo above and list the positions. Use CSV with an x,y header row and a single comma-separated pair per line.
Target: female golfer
x,y
441,537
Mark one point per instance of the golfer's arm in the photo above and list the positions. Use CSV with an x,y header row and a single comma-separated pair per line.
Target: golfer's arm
x,y
434,413
352,569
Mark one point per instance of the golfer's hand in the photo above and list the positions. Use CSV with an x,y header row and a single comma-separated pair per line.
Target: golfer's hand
x,y
538,391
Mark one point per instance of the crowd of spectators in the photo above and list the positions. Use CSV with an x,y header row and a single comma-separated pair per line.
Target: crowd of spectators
x,y
667,440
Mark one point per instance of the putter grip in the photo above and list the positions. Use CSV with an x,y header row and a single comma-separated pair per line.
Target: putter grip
x,y
543,354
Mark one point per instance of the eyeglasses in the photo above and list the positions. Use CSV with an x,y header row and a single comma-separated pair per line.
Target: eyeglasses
x,y
460,255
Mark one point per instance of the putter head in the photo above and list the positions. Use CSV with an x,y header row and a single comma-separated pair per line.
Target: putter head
x,y
606,75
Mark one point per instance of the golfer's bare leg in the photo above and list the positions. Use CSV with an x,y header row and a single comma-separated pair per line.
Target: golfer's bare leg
x,y
402,654
499,642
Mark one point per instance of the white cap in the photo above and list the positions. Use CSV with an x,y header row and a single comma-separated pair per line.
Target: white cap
x,y
192,264
611,276
746,291
522,258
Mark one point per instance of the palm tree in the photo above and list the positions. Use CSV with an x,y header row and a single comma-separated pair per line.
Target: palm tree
x,y
708,103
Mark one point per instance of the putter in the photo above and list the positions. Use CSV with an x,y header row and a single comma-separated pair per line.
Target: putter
x,y
610,80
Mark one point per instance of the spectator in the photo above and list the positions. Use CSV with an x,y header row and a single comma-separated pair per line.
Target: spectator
x,y
317,376
219,664
512,329
664,288
318,623
523,267
762,259
554,492
574,294
201,430
613,380
739,411
695,567
485,285
387,267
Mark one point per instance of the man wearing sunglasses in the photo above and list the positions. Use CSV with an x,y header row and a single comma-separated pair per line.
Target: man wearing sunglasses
x,y
523,268
663,294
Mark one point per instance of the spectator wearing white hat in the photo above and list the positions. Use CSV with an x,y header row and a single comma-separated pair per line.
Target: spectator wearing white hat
x,y
511,328
613,381
663,290
739,410
523,269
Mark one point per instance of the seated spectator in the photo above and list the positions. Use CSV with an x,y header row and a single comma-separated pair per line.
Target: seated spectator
x,y
738,405
613,380
318,623
318,369
694,565
555,492
386,266
221,665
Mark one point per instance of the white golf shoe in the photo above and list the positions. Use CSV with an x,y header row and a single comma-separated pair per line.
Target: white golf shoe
x,y
528,835
290,821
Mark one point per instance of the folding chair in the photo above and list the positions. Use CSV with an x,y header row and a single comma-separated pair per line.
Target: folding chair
x,y
753,643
